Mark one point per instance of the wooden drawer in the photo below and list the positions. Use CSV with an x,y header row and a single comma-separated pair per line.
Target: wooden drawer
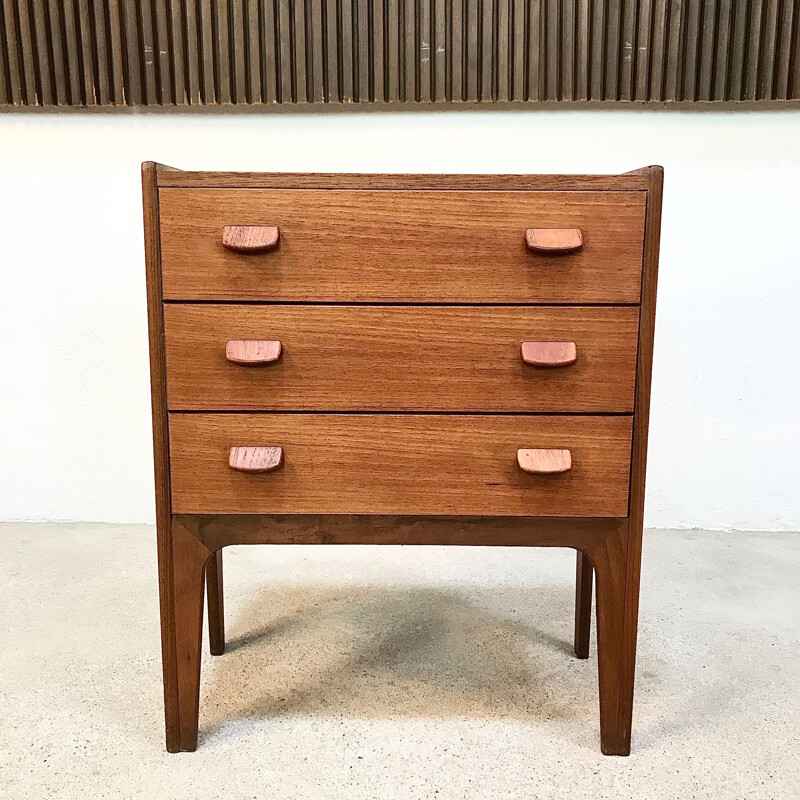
x,y
400,464
406,246
390,358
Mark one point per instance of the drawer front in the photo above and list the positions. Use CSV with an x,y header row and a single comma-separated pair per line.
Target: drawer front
x,y
389,358
395,464
406,246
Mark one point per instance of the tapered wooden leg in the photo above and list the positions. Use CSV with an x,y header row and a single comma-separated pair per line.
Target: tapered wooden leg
x,y
182,634
216,613
617,574
583,605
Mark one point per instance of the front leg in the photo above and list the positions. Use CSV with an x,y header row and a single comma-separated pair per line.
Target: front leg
x,y
616,567
182,635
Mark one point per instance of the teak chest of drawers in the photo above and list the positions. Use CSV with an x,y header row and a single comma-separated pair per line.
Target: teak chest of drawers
x,y
410,359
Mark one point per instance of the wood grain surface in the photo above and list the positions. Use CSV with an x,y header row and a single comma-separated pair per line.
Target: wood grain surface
x,y
629,181
544,461
554,240
387,358
549,354
250,238
244,458
400,464
402,246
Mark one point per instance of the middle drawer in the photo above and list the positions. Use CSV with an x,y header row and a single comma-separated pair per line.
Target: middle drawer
x,y
400,358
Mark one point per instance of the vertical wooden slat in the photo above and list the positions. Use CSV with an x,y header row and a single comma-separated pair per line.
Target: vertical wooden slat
x,y
440,52
658,50
362,58
409,50
179,88
518,48
161,23
738,50
472,44
552,61
300,63
333,91
613,49
424,49
57,55
16,70
378,50
707,50
223,51
628,53
643,51
41,51
125,54
597,77
502,37
348,78
238,52
71,28
252,20
784,49
457,50
722,52
770,40
393,66
753,59
207,52
149,46
5,67
567,45
317,76
268,52
691,59
673,75
582,52
486,55
534,49
193,52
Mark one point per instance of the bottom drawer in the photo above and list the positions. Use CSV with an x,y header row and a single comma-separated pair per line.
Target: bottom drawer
x,y
400,464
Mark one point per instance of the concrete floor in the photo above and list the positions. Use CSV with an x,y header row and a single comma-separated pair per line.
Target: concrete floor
x,y
397,673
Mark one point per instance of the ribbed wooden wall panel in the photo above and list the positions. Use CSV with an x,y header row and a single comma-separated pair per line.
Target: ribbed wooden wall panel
x,y
177,52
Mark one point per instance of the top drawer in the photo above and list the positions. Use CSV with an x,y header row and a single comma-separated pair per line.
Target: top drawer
x,y
402,246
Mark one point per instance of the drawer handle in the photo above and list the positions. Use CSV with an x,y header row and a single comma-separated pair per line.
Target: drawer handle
x,y
250,238
554,240
255,459
544,462
252,352
549,354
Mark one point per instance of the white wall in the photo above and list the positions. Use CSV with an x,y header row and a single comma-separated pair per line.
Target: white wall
x,y
74,393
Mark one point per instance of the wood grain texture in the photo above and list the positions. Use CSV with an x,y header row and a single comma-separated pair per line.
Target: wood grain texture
x,y
216,604
583,604
631,181
421,236
218,530
554,241
544,461
549,354
158,393
246,458
250,238
395,464
390,358
252,352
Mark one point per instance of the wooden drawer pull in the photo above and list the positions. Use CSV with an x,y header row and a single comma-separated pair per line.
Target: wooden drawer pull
x,y
252,352
554,240
250,238
549,354
544,462
255,459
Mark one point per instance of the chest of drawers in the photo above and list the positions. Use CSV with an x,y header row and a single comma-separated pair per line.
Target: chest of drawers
x,y
400,359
